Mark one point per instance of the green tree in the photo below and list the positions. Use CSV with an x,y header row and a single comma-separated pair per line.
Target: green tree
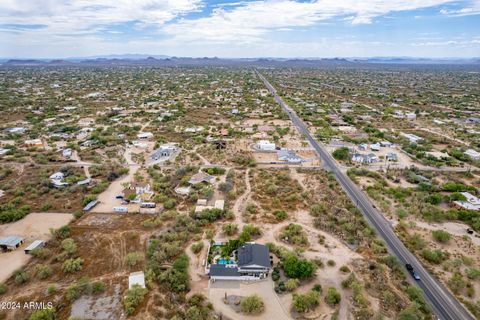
x,y
341,153
295,267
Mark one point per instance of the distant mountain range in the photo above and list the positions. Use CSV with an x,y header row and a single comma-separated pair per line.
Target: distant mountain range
x,y
162,60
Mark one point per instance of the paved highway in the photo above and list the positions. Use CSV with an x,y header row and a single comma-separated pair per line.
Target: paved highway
x,y
444,304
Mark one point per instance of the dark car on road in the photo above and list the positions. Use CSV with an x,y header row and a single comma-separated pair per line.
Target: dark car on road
x,y
412,272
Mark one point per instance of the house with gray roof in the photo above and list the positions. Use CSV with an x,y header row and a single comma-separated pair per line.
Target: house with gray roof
x,y
288,156
252,263
165,151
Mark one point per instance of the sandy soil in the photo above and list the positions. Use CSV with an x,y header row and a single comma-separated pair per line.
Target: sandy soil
x,y
454,228
241,202
107,198
196,270
273,307
33,226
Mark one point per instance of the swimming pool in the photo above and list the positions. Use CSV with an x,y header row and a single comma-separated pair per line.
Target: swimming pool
x,y
225,261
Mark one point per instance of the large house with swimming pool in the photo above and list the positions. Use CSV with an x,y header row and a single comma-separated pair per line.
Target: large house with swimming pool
x,y
250,261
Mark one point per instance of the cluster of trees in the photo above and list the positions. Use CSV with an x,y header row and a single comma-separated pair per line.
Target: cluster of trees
x,y
341,154
133,297
246,235
12,211
293,266
215,171
210,214
176,277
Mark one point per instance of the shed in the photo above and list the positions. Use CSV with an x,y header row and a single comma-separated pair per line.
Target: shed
x,y
11,242
136,278
90,205
34,245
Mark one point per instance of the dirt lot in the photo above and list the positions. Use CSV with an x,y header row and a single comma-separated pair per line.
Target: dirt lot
x,y
103,242
33,226
273,307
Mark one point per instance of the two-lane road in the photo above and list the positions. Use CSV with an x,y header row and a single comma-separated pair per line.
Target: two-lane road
x,y
444,304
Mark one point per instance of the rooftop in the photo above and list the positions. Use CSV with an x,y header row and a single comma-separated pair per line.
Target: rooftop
x,y
252,253
10,241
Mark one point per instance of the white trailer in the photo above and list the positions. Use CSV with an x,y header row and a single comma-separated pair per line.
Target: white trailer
x,y
120,209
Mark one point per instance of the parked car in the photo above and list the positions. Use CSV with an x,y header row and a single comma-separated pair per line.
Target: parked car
x,y
119,197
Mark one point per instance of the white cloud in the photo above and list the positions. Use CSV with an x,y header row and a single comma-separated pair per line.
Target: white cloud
x,y
235,28
249,21
78,15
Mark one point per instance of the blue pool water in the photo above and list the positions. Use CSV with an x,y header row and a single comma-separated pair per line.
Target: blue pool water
x,y
225,261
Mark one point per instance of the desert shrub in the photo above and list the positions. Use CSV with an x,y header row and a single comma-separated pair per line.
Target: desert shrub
x,y
317,287
21,276
416,295
473,273
41,253
457,283
275,274
43,271
43,314
209,214
434,256
344,269
61,233
169,204
252,305
10,212
3,288
331,263
52,289
98,287
333,297
293,233
69,246
197,247
176,277
305,302
292,284
229,229
280,215
134,258
73,292
72,265
133,297
441,236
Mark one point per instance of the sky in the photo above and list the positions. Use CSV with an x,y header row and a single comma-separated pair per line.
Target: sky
x,y
240,28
